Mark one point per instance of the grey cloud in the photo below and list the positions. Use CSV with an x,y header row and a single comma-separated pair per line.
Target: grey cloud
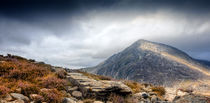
x,y
81,33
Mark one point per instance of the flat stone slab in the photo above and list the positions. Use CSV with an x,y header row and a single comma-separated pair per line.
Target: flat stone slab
x,y
91,86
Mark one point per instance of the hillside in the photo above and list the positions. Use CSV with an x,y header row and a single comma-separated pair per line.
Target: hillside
x,y
27,81
150,62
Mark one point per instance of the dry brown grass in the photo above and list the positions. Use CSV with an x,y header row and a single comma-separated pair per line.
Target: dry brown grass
x,y
116,98
135,86
159,90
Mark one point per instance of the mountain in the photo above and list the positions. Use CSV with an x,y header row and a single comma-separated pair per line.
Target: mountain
x,y
204,62
150,62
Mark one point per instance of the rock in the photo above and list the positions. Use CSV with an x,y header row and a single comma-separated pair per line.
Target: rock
x,y
181,93
145,95
17,101
3,101
154,99
98,88
68,100
19,96
77,94
71,89
18,90
68,95
98,102
8,97
191,99
152,93
137,96
80,101
36,97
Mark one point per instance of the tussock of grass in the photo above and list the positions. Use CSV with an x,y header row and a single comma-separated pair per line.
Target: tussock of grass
x,y
159,90
136,87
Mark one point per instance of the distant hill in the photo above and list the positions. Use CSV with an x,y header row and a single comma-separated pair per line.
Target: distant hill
x,y
151,62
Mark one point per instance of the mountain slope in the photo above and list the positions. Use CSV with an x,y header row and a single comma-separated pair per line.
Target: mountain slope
x,y
150,62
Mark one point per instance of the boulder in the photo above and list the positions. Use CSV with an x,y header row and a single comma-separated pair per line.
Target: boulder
x,y
68,100
71,89
97,88
145,95
77,94
98,102
19,96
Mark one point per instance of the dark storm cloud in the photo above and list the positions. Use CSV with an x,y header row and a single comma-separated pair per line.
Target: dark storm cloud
x,y
78,33
20,8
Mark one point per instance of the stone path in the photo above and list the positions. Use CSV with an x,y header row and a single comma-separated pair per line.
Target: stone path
x,y
90,87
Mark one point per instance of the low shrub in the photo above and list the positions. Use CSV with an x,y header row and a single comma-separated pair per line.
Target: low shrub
x,y
51,95
3,91
61,74
27,88
52,81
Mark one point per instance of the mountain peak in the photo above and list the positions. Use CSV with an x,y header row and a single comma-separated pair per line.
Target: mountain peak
x,y
145,60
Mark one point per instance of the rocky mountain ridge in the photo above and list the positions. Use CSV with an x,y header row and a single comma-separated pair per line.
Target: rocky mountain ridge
x,y
150,62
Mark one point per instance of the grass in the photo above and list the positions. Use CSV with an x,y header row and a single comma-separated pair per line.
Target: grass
x,y
159,90
93,76
135,86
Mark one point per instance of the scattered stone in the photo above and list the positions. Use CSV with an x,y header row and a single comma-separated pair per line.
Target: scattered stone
x,y
68,100
152,93
80,101
36,97
145,95
18,90
19,96
137,96
8,97
77,94
71,89
98,102
154,99
68,95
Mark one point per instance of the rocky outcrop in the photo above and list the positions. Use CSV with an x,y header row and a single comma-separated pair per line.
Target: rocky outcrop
x,y
100,89
191,99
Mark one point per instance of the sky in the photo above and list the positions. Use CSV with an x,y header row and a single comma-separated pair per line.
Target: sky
x,y
83,33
